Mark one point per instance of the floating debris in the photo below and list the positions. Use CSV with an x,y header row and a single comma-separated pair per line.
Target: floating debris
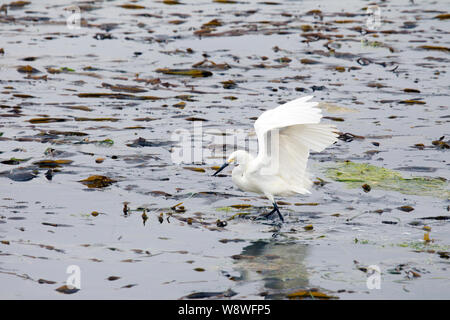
x,y
441,144
95,213
52,163
435,48
131,6
309,294
119,96
67,289
444,16
195,169
47,120
141,142
205,295
221,224
144,217
27,69
97,181
194,73
406,208
21,175
413,102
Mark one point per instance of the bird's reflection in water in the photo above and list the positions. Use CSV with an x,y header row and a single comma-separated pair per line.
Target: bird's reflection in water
x,y
278,265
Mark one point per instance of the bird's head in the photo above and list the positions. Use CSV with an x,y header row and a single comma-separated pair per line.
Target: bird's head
x,y
240,157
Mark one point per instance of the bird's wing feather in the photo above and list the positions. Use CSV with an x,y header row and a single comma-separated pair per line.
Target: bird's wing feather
x,y
298,111
299,132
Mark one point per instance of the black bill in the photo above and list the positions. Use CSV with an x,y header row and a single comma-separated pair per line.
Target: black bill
x,y
221,168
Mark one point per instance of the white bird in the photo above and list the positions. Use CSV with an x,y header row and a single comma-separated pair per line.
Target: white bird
x,y
285,135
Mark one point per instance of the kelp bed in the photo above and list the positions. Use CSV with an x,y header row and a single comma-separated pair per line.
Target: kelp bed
x,y
86,171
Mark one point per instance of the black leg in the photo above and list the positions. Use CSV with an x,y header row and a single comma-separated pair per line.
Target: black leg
x,y
275,209
267,215
278,211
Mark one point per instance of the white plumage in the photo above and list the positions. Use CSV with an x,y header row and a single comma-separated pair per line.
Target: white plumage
x,y
285,134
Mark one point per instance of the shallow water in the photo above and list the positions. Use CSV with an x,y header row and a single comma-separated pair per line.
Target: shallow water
x,y
360,79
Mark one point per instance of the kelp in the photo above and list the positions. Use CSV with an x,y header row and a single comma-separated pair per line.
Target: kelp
x,y
97,181
194,73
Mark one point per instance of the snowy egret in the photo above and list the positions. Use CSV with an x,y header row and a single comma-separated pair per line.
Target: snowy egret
x,y
279,169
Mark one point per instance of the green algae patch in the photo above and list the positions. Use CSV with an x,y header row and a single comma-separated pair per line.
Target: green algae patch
x,y
224,209
356,174
239,214
423,246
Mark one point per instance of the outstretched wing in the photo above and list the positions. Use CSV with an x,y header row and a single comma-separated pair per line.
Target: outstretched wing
x,y
286,134
298,111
